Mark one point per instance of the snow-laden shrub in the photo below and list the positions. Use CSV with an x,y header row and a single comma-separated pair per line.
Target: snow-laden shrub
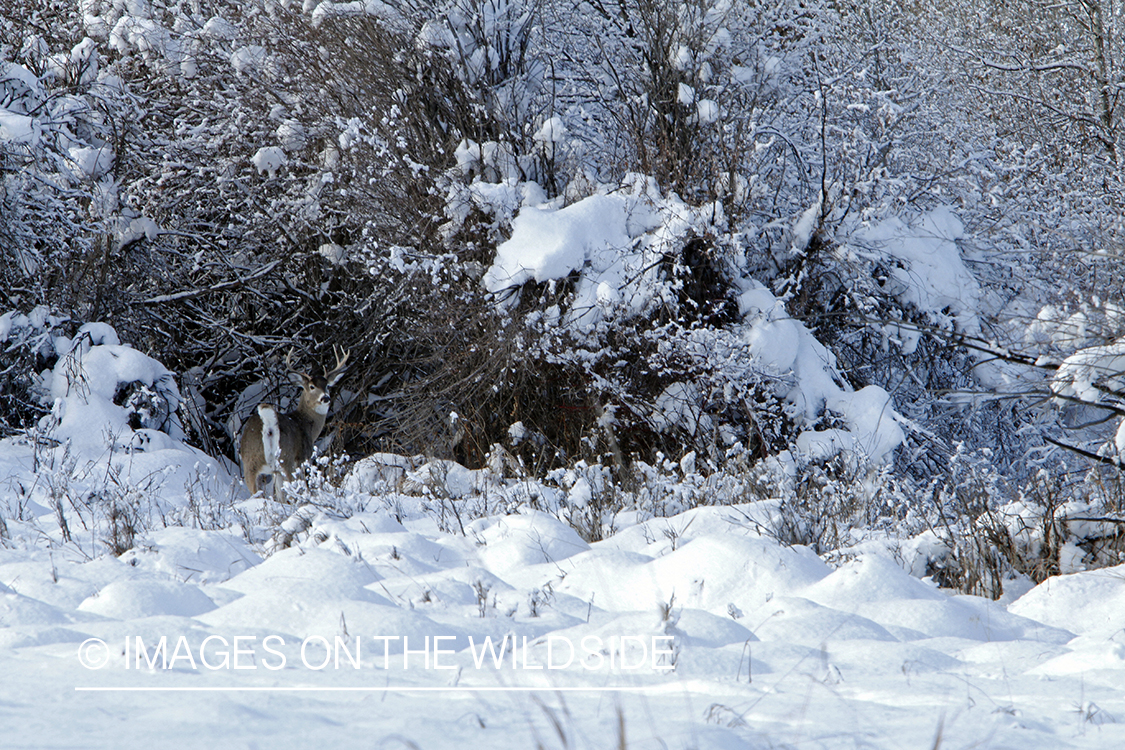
x,y
1093,377
904,308
27,346
104,393
980,532
105,463
282,133
695,94
641,301
63,221
832,507
47,370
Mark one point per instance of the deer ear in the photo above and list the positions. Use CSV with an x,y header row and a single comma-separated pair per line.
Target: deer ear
x,y
298,378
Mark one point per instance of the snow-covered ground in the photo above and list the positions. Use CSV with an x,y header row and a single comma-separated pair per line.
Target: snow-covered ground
x,y
730,640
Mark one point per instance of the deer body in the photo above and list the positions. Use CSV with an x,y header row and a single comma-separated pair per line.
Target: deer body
x,y
276,444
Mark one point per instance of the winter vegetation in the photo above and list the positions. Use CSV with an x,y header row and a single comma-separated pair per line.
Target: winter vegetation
x,y
777,347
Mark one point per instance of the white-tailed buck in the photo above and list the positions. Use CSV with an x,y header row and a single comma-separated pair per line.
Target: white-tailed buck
x,y
276,444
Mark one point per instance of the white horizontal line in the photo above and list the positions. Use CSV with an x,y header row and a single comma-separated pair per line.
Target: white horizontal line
x,y
387,689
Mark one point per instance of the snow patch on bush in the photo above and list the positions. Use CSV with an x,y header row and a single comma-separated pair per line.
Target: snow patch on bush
x,y
269,159
926,269
89,377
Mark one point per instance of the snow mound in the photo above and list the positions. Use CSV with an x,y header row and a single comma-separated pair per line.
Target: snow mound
x,y
306,571
1085,660
324,613
17,610
16,636
513,542
692,628
1089,603
879,590
701,629
871,578
127,600
192,555
802,621
709,573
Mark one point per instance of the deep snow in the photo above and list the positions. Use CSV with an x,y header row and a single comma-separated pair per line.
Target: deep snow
x,y
769,646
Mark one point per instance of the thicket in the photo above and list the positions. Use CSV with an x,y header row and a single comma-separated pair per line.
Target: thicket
x,y
226,182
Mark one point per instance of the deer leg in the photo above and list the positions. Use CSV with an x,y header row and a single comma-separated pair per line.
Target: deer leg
x,y
281,478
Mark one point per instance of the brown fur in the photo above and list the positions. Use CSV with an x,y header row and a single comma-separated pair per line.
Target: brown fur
x,y
297,430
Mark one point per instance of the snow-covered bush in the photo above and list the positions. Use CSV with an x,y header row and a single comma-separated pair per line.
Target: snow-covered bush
x,y
27,346
60,121
833,507
105,462
280,132
697,95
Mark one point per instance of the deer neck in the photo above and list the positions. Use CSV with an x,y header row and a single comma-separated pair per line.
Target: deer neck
x,y
312,416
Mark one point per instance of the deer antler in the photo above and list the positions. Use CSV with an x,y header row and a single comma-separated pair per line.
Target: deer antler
x,y
341,363
301,375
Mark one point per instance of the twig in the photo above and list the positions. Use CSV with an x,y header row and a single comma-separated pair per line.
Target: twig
x,y
1114,462
160,299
